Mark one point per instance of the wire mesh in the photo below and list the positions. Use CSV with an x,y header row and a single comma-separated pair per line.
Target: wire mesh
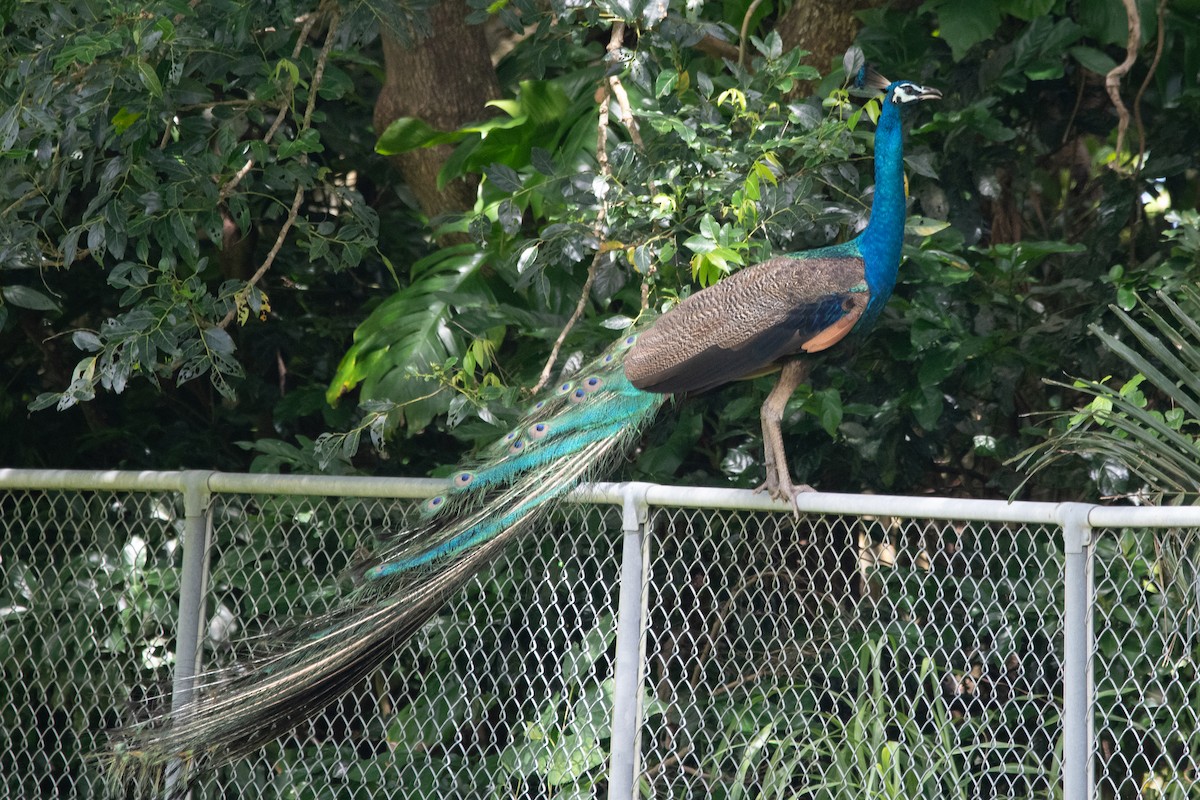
x,y
505,691
88,599
1147,654
834,656
851,657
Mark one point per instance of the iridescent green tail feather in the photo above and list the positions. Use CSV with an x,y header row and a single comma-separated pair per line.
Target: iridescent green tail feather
x,y
575,433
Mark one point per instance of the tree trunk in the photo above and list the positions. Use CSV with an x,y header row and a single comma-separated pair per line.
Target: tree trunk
x,y
825,28
445,80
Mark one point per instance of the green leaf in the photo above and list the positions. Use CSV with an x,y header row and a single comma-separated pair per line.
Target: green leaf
x,y
218,340
285,66
150,79
503,177
509,215
1038,51
542,160
572,758
410,331
1035,250
9,127
1092,59
965,23
87,341
579,660
924,226
937,365
409,133
25,297
85,48
666,82
830,410
1027,10
1104,21
1126,298
307,142
543,101
528,257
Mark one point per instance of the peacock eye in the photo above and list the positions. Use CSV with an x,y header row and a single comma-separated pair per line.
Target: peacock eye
x,y
463,479
516,446
434,503
538,430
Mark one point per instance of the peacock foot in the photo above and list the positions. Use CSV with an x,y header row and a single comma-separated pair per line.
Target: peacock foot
x,y
779,486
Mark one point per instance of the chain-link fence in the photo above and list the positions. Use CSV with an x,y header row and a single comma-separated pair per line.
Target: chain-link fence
x,y
672,643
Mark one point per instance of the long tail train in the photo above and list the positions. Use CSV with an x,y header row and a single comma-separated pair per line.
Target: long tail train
x,y
584,425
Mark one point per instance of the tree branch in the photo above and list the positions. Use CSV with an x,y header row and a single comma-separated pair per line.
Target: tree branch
x,y
281,114
607,90
718,48
294,211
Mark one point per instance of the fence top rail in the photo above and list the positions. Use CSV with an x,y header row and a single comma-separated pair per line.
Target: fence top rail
x,y
946,508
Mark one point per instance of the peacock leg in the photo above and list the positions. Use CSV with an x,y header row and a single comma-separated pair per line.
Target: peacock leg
x,y
778,483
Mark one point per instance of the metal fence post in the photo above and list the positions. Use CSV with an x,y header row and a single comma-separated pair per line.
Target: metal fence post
x,y
1078,682
630,644
192,585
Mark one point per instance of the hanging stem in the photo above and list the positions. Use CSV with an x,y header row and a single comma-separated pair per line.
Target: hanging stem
x,y
1112,81
745,32
1137,100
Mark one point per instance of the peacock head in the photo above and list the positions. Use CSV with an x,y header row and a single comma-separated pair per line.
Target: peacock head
x,y
899,93
904,92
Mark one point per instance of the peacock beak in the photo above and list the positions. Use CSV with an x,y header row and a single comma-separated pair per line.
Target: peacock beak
x,y
928,93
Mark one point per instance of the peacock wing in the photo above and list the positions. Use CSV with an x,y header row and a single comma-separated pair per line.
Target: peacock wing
x,y
749,322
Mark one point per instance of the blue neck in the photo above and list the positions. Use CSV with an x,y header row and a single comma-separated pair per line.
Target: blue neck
x,y
880,243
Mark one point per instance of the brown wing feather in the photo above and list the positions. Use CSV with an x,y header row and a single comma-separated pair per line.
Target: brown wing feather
x,y
854,306
746,323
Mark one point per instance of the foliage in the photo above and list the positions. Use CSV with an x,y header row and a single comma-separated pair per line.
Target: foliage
x,y
149,214
936,397
881,749
1147,709
562,192
1139,439
682,202
935,400
160,160
875,743
1039,231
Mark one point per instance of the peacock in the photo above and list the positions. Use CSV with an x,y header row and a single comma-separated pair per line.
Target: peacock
x,y
775,315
